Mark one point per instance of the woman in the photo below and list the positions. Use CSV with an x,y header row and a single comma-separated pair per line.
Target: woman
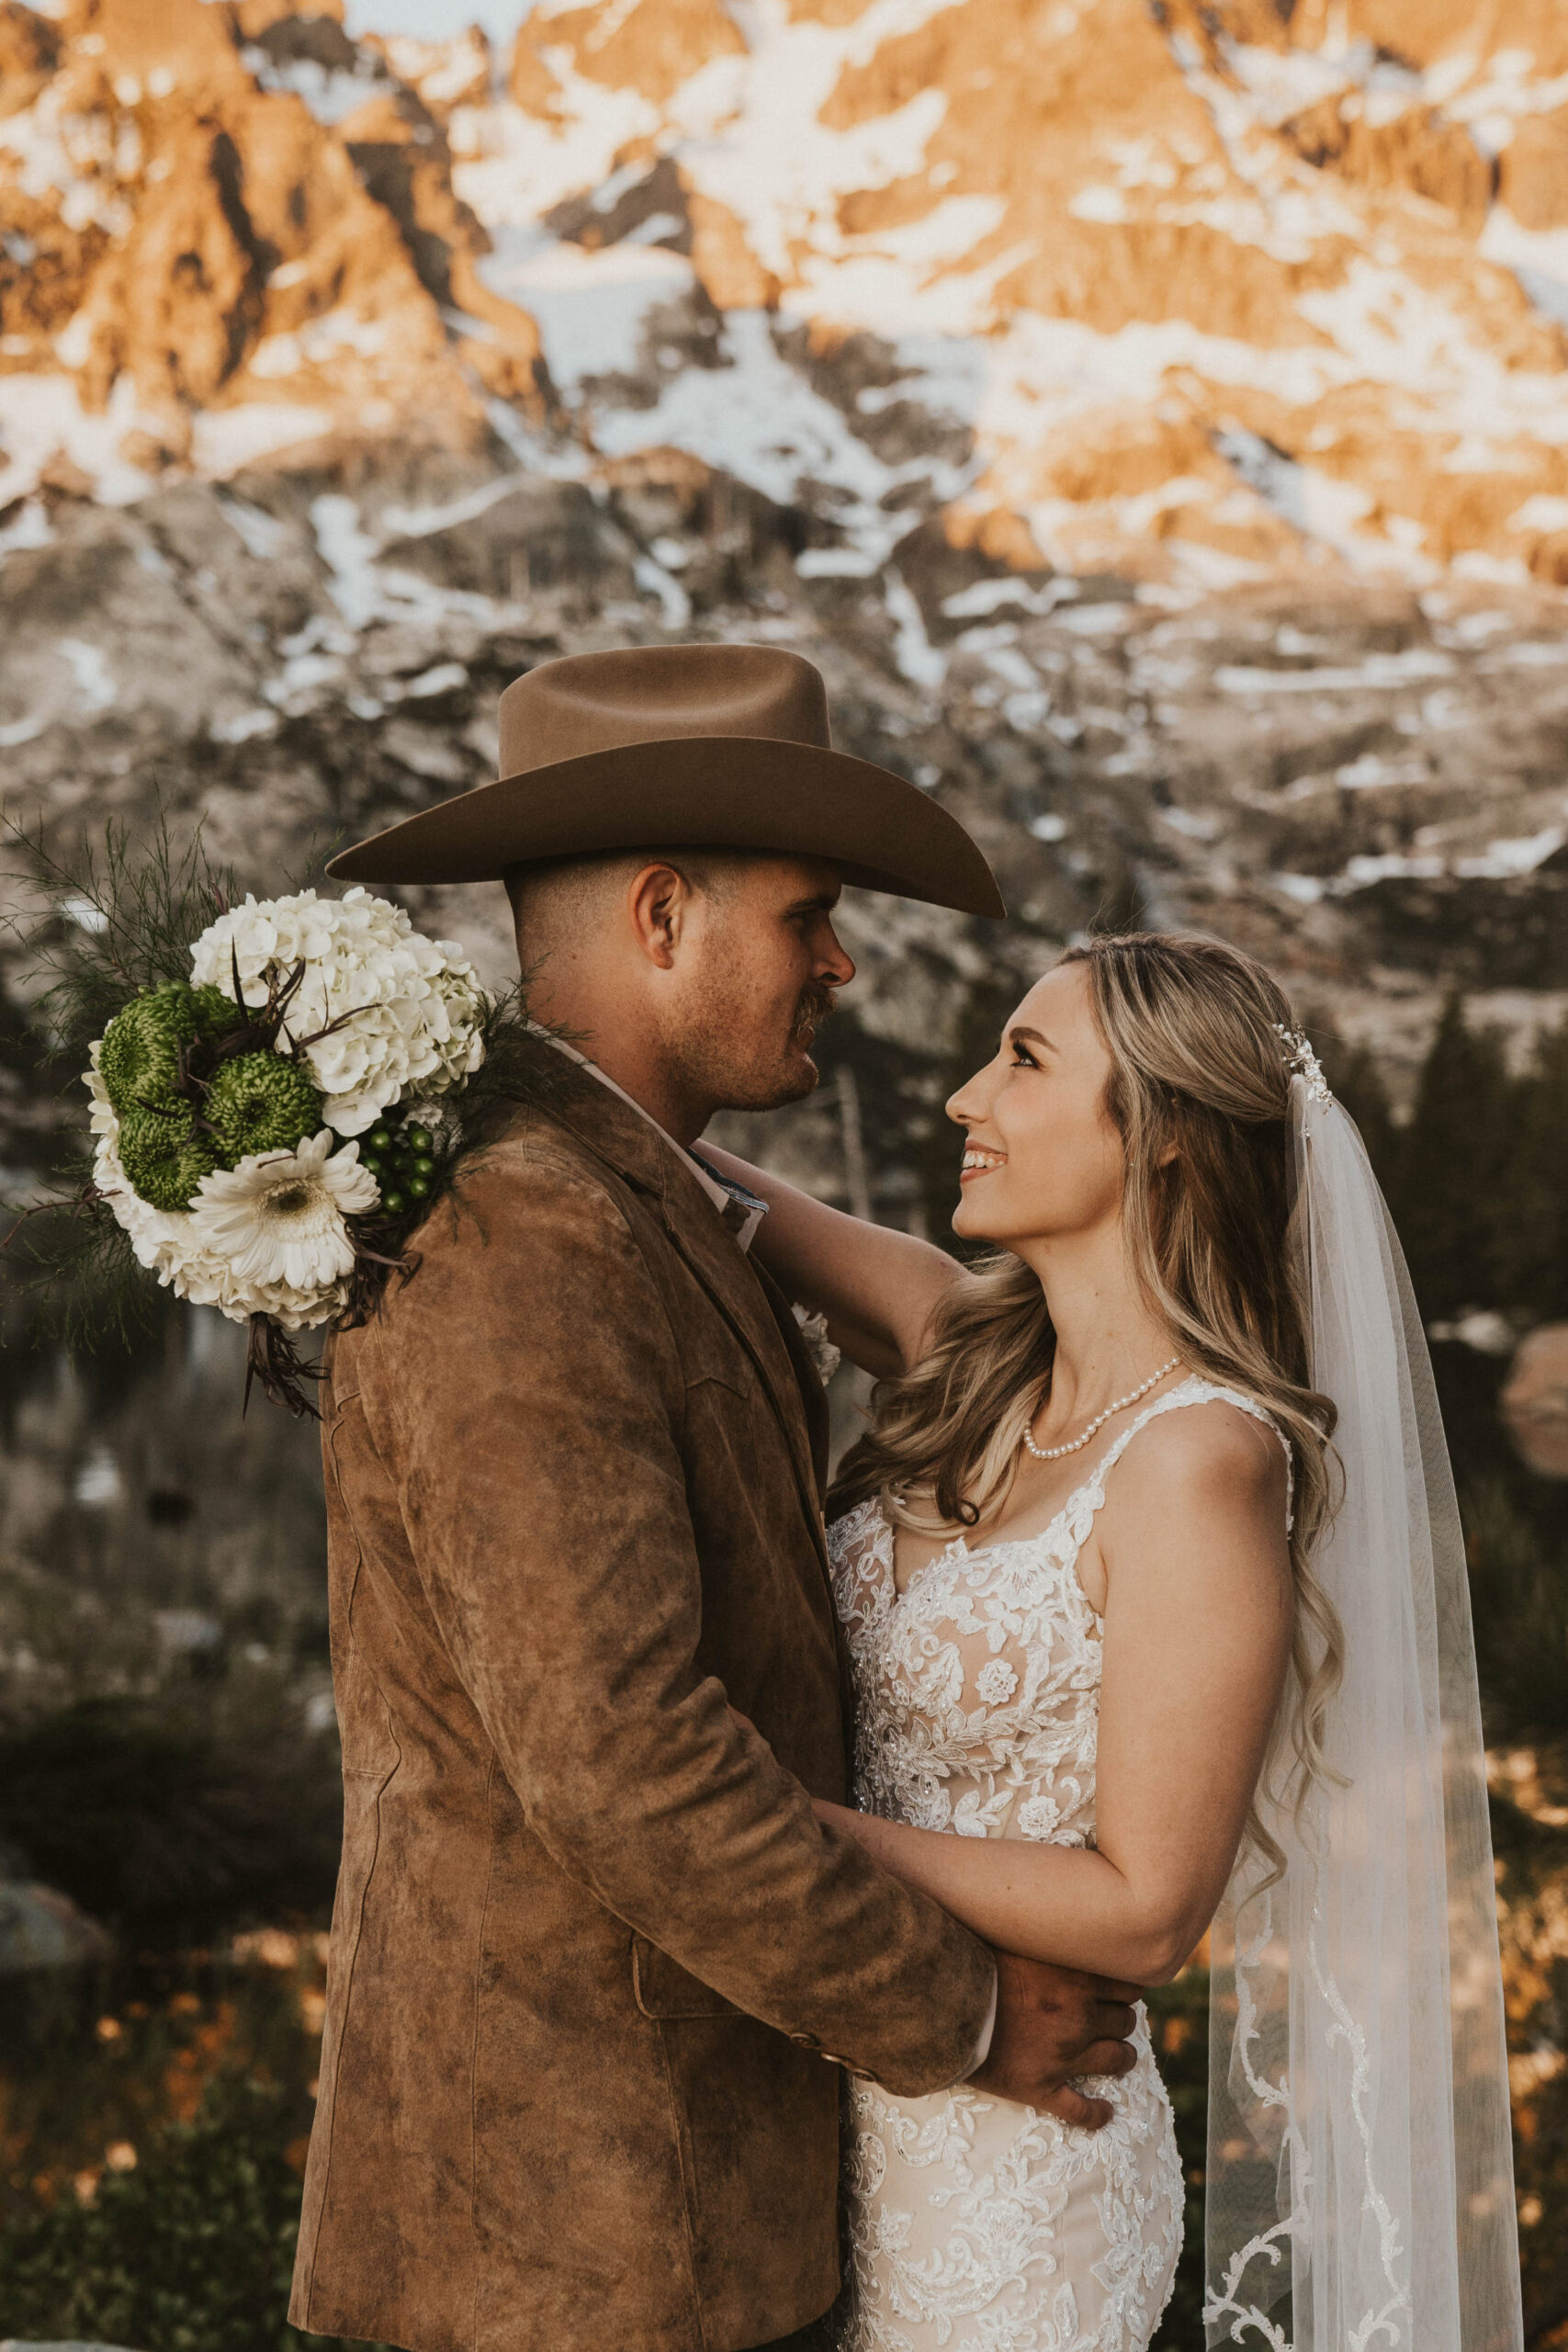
x,y
1110,1632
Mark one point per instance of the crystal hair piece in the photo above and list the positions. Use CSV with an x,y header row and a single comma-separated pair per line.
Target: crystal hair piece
x,y
1303,1063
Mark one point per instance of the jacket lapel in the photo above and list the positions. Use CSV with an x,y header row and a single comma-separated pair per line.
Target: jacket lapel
x,y
646,1159
808,1379
735,1289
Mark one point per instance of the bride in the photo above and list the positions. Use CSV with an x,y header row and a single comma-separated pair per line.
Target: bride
x,y
1151,1579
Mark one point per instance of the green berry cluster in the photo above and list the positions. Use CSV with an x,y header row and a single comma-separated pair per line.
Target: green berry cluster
x,y
402,1161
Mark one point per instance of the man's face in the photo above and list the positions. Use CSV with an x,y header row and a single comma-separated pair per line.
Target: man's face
x,y
756,977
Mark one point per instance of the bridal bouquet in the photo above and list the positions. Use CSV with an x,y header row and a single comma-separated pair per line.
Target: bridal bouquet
x,y
275,1102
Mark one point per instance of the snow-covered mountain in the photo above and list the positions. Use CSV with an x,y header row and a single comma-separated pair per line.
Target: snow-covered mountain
x,y
1210,291
1153,417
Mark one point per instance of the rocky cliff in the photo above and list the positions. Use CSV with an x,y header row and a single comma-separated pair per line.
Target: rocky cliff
x,y
1153,417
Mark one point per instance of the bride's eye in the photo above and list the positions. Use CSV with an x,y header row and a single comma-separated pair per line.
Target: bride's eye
x,y
1021,1057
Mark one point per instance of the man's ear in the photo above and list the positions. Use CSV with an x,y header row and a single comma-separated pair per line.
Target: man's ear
x,y
658,904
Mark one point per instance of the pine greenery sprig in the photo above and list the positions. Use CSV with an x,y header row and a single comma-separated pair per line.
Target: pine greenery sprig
x,y
125,915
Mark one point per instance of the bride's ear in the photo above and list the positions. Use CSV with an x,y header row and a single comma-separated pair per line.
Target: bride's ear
x,y
1170,1149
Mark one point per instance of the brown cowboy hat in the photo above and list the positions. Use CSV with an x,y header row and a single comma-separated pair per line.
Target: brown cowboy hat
x,y
683,747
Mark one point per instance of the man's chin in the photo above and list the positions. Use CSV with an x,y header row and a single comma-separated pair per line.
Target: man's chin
x,y
798,1078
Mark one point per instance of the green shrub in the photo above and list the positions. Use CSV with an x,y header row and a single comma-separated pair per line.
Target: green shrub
x,y
192,2252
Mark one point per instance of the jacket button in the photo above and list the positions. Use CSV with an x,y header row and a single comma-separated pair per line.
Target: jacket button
x,y
805,2042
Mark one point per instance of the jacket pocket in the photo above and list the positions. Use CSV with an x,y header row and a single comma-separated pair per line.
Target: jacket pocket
x,y
665,1991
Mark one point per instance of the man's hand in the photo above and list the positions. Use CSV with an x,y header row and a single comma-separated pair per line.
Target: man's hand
x,y
1054,2024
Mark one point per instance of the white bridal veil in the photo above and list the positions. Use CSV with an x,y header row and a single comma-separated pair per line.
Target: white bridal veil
x,y
1360,2181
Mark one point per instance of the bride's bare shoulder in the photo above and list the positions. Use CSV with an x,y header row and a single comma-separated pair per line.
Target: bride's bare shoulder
x,y
1212,1456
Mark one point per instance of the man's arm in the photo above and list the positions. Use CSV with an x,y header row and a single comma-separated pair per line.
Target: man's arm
x,y
526,1391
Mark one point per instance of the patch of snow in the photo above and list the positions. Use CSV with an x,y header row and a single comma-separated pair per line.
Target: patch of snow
x,y
1530,653
41,415
1379,673
21,730
589,307
225,440
1537,257
243,726
90,669
1282,83
317,344
1193,823
1098,201
1393,866
73,344
1048,828
1371,772
1541,514
419,522
674,604
1107,619
1027,710
784,177
262,533
445,678
1008,664
441,71
760,421
349,551
30,529
918,658
834,563
1504,861
328,92
1274,476
989,595
513,168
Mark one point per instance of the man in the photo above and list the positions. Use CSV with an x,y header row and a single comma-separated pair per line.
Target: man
x,y
595,1967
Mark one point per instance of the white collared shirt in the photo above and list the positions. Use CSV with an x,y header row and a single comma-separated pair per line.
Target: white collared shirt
x,y
724,1194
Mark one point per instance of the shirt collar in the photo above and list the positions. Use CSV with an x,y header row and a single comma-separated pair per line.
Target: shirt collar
x,y
741,1210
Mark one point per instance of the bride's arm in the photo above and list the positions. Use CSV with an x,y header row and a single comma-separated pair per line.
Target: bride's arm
x,y
878,1289
1196,1634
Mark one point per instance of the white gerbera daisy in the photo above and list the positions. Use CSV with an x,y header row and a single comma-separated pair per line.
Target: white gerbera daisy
x,y
278,1216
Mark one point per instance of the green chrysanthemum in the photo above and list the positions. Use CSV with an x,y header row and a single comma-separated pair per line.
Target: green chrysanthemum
x,y
164,1160
139,1060
260,1103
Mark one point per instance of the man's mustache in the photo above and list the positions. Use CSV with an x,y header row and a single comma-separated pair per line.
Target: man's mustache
x,y
817,1002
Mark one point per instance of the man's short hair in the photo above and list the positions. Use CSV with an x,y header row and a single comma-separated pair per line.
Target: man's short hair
x,y
558,895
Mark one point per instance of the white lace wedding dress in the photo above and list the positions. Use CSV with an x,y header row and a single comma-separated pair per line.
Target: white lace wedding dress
x,y
974,2225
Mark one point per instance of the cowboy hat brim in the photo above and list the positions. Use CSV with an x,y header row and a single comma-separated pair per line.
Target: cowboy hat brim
x,y
740,792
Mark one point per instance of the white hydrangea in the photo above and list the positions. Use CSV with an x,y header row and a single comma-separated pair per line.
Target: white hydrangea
x,y
404,1012
170,1245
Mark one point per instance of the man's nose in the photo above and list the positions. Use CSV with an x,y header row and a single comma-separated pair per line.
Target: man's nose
x,y
834,964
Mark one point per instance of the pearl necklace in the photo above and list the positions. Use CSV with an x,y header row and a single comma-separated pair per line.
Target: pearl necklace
x,y
1055,1453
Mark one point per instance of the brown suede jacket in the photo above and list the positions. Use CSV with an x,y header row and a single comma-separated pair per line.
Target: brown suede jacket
x,y
591,1950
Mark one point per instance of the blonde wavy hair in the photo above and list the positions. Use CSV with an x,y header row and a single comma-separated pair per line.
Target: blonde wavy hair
x,y
1191,1029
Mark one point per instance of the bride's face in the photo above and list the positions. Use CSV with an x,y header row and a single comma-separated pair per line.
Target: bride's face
x,y
1041,1159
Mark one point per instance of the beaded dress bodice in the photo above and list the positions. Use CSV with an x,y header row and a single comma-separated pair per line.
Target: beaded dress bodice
x,y
977,2225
